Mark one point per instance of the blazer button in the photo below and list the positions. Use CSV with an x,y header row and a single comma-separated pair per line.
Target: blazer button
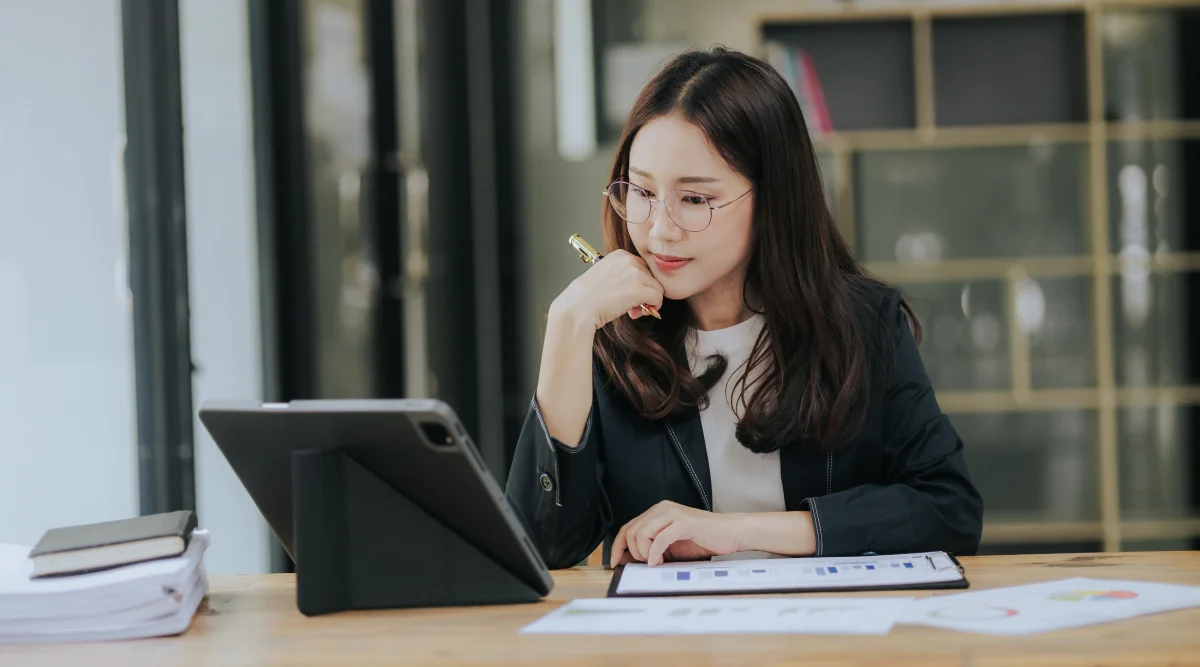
x,y
547,483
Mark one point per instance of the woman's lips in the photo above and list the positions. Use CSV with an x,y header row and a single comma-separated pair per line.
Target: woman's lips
x,y
669,263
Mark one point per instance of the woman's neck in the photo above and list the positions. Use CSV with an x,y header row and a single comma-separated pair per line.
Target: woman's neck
x,y
719,307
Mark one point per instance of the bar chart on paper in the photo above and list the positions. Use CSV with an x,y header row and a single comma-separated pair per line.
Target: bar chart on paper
x,y
704,616
788,574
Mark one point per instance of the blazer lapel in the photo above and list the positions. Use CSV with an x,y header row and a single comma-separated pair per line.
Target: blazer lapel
x,y
687,439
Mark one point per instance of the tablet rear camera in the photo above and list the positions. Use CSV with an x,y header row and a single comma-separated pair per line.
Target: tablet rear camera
x,y
437,434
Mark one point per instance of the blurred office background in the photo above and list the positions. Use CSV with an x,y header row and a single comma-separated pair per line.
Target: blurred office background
x,y
283,199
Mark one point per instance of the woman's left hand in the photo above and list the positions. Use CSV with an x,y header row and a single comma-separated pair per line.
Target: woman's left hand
x,y
670,531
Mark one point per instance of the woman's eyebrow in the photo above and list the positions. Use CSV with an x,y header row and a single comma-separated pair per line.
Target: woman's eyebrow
x,y
684,179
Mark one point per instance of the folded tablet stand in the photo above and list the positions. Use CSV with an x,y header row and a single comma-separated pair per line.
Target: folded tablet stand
x,y
360,544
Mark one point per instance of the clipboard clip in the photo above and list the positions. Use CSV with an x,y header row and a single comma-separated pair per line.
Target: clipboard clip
x,y
941,561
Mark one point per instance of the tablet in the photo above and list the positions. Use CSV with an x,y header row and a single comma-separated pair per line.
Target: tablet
x,y
417,446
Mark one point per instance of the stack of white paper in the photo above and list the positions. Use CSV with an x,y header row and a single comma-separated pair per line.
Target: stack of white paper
x,y
149,599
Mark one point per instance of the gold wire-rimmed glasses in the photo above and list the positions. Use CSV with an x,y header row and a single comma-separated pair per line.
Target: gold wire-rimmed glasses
x,y
690,211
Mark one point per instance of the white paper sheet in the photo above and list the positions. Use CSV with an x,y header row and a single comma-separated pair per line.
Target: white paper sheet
x,y
703,616
1055,605
785,574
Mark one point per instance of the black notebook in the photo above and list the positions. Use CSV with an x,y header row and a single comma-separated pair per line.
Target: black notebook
x,y
102,546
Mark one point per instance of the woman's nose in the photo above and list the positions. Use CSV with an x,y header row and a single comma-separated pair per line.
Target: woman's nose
x,y
661,224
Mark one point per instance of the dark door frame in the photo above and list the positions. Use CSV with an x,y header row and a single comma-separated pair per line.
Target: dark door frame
x,y
158,258
466,120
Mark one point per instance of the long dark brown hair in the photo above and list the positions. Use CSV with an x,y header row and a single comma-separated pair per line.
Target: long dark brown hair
x,y
806,380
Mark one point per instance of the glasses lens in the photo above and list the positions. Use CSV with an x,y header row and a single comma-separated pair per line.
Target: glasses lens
x,y
689,210
630,202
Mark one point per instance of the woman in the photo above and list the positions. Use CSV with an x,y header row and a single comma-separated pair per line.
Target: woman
x,y
780,406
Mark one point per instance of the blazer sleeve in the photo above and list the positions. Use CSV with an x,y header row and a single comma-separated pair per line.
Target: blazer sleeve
x,y
928,501
558,491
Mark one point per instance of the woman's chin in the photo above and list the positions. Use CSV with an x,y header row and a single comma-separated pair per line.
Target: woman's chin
x,y
677,292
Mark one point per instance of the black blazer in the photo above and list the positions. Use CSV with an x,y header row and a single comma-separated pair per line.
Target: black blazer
x,y
900,486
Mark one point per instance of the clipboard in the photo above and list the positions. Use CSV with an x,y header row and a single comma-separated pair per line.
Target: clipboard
x,y
929,571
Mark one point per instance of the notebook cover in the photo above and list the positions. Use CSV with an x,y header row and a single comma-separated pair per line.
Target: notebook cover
x,y
936,585
74,538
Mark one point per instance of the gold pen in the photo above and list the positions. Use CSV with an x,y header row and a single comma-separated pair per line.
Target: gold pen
x,y
589,255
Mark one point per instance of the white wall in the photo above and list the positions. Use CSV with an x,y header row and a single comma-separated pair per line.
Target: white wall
x,y
222,262
67,433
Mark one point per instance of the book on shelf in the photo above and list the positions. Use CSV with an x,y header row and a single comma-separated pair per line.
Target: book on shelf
x,y
797,67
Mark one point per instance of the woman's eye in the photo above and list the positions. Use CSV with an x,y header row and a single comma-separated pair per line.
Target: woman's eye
x,y
694,200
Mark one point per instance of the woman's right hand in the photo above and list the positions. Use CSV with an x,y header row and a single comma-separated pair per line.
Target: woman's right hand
x,y
616,285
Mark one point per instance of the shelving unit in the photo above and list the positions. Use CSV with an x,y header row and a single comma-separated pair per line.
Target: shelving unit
x,y
1005,135
1007,143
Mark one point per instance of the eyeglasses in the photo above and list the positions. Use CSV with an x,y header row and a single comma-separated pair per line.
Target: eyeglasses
x,y
691,211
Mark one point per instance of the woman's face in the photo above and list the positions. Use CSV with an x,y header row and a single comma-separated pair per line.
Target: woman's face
x,y
668,154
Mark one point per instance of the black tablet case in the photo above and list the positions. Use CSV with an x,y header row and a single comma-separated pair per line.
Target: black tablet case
x,y
360,544
937,585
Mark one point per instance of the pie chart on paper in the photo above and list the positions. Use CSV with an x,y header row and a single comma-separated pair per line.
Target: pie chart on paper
x,y
1093,596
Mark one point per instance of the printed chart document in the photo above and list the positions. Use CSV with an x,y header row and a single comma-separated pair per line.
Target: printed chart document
x,y
788,575
1055,605
705,616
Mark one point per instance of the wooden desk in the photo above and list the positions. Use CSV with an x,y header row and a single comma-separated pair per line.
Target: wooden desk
x,y
252,620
